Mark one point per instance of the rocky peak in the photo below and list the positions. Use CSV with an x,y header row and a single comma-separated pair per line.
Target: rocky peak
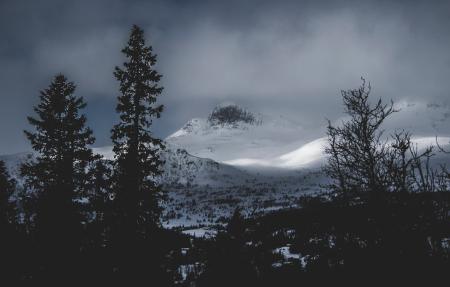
x,y
230,114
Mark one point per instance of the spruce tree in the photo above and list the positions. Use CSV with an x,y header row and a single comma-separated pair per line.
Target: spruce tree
x,y
97,263
7,187
138,162
231,256
136,216
11,249
100,199
57,175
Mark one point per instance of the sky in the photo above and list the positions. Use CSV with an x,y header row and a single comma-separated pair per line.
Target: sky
x,y
280,57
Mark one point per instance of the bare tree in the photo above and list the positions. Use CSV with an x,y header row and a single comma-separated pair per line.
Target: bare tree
x,y
364,161
398,162
356,148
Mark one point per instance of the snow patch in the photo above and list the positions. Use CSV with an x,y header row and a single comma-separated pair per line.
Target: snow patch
x,y
200,232
286,253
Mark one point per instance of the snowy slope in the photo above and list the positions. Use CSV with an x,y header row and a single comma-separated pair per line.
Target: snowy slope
x,y
309,155
267,137
201,191
180,168
278,142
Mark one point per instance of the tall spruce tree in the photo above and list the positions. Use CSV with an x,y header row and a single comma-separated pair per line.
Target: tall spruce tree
x,y
136,151
58,174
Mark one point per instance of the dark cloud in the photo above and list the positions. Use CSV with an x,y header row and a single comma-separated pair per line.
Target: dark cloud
x,y
288,56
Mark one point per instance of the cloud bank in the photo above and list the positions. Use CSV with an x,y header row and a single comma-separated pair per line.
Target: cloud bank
x,y
285,57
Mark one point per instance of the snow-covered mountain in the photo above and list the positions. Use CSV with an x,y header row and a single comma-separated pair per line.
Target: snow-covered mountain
x,y
200,191
262,141
183,169
258,162
279,159
280,142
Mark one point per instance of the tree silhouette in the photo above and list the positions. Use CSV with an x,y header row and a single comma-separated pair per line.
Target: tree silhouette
x,y
58,174
100,201
137,160
10,240
356,148
363,161
7,187
136,150
229,262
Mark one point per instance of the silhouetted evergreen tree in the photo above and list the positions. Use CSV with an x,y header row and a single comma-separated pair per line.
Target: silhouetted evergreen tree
x,y
7,187
229,262
137,160
7,209
10,248
136,150
236,225
100,196
98,265
58,175
100,185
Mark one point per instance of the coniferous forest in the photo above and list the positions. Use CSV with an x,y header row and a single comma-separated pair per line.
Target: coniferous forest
x,y
75,218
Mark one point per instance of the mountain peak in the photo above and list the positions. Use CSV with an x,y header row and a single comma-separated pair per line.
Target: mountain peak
x,y
230,114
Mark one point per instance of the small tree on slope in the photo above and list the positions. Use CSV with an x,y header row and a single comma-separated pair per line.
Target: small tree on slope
x,y
7,187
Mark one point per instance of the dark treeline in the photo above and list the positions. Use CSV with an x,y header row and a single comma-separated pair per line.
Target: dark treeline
x,y
79,219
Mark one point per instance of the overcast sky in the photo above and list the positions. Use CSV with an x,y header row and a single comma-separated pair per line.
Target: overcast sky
x,y
289,57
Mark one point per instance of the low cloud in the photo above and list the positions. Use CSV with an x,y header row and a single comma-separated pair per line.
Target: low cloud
x,y
287,57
